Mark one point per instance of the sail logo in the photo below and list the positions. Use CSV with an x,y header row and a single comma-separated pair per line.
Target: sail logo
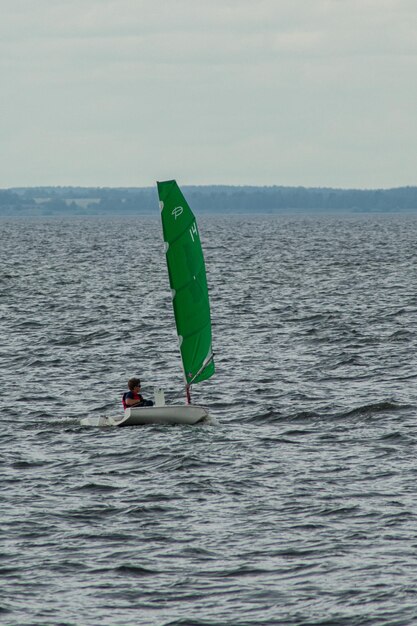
x,y
193,231
177,211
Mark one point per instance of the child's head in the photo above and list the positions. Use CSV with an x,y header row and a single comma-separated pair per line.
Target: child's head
x,y
132,383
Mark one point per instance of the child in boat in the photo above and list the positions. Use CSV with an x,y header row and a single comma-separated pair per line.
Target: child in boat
x,y
132,397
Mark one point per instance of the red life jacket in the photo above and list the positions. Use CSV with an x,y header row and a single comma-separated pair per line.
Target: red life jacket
x,y
136,396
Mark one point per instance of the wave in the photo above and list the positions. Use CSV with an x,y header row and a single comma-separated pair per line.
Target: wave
x,y
374,409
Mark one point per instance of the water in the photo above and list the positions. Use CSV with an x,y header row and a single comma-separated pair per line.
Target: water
x,y
296,504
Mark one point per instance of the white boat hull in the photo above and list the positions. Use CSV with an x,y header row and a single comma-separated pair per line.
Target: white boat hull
x,y
186,414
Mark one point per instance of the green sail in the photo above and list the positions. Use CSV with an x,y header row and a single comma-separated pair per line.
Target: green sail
x,y
187,277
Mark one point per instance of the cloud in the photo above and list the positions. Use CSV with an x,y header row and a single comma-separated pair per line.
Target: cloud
x,y
285,92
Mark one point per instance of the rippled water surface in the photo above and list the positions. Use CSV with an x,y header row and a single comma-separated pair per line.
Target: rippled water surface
x,y
295,504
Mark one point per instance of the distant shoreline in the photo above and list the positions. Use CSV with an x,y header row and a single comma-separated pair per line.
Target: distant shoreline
x,y
217,199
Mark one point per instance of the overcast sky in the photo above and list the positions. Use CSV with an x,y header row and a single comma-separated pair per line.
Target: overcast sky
x,y
243,92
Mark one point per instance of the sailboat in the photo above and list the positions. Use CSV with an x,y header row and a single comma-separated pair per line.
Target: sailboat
x,y
188,282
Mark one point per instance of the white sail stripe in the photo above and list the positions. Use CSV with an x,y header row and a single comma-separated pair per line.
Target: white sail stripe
x,y
206,361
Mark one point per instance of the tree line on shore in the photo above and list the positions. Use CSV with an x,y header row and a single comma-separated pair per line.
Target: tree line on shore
x,y
64,201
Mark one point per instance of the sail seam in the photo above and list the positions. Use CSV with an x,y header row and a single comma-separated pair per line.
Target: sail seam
x,y
196,332
187,228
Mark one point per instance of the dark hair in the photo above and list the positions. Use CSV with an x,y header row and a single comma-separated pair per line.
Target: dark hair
x,y
132,383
